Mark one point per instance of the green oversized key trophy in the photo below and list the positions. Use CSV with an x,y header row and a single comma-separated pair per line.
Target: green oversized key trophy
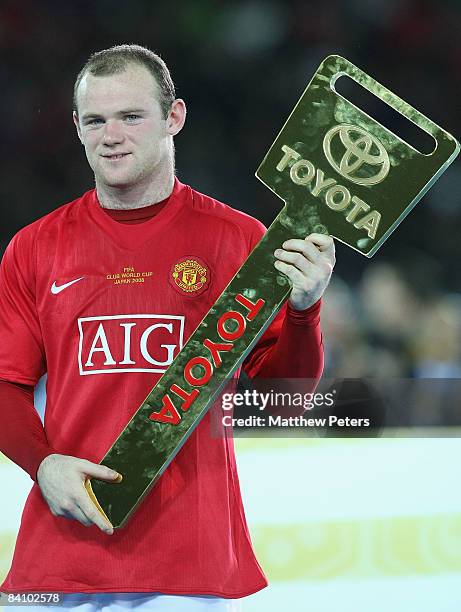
x,y
339,172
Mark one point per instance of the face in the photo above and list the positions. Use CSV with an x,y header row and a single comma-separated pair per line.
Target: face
x,y
127,141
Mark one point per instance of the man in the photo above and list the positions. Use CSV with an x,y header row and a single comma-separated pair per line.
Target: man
x,y
101,294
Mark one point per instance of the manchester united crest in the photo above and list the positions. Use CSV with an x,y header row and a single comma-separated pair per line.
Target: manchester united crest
x,y
190,275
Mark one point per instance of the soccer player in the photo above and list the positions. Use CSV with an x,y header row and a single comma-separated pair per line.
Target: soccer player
x,y
101,294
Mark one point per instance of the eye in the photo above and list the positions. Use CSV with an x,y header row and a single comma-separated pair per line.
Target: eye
x,y
93,121
131,117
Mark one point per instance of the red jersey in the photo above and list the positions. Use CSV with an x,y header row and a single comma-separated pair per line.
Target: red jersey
x,y
103,308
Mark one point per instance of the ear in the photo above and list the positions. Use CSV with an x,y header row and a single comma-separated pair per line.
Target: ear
x,y
77,125
176,117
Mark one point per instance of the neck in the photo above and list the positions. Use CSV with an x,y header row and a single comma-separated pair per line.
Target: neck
x,y
128,197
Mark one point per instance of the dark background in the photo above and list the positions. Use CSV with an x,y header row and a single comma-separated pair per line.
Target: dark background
x,y
241,67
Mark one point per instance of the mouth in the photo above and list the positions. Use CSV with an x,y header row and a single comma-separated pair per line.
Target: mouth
x,y
116,156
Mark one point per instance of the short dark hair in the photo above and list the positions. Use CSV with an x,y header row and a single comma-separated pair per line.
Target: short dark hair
x,y
115,60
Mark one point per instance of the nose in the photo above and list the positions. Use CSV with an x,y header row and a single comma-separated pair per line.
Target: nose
x,y
113,133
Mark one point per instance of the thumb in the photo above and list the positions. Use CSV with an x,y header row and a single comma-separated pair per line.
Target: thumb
x,y
101,472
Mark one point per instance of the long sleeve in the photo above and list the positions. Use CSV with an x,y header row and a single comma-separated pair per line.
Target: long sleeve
x,y
22,357
291,347
22,437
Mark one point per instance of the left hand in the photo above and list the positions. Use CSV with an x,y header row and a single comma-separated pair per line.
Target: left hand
x,y
308,264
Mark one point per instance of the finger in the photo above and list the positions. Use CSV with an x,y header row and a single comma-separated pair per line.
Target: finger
x,y
296,259
93,517
311,252
322,241
70,510
291,271
76,514
101,472
294,244
308,249
91,512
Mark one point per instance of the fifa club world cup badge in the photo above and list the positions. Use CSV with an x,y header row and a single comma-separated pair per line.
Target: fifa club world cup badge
x,y
339,172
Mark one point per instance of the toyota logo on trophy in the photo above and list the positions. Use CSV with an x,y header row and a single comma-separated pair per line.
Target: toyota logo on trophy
x,y
361,148
337,171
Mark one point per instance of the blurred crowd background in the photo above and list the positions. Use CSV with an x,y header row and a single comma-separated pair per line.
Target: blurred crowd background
x,y
241,66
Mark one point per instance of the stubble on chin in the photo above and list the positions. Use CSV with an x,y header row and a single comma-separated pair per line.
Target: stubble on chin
x,y
114,179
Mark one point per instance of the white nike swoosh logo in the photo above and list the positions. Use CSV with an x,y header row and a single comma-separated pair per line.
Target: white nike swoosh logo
x,y
55,289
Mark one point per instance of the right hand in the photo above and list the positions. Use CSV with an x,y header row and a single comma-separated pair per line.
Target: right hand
x,y
61,479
